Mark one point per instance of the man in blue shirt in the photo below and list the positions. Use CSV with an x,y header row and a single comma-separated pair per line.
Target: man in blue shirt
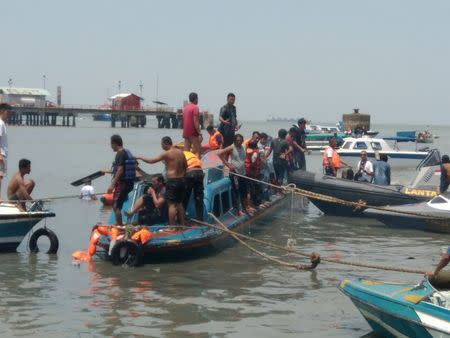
x,y
382,171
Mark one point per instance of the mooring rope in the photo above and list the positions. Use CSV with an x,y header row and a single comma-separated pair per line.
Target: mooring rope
x,y
304,254
315,258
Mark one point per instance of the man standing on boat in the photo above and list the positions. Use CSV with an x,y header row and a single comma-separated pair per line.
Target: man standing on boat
x,y
124,174
18,188
191,125
281,149
331,160
382,171
300,145
445,174
194,183
233,157
176,166
4,108
228,121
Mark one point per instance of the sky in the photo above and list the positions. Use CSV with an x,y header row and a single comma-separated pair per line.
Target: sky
x,y
313,59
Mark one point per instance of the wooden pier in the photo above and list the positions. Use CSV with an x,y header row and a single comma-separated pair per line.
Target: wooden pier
x,y
66,116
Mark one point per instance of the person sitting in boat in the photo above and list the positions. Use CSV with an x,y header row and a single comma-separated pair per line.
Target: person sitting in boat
x,y
382,171
215,140
445,174
331,160
87,193
124,174
175,163
233,157
364,172
20,189
194,183
256,135
151,206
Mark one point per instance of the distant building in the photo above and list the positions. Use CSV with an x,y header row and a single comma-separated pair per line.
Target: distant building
x,y
24,97
126,101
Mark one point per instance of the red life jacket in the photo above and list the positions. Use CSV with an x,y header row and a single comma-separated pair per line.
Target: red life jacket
x,y
252,169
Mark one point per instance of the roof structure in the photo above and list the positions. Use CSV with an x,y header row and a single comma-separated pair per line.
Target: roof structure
x,y
24,91
121,95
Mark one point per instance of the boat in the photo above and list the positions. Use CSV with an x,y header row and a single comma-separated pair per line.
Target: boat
x,y
402,309
183,242
101,117
433,215
318,141
352,148
16,224
424,187
424,136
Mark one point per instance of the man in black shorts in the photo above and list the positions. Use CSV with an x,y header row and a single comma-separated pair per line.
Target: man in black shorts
x,y
176,165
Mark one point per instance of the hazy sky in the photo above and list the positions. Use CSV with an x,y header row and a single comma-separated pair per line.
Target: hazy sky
x,y
316,59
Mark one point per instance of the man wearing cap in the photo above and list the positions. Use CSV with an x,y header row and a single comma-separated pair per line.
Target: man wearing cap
x,y
300,145
4,108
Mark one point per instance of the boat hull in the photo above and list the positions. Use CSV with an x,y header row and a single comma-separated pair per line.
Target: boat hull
x,y
370,194
13,231
413,216
398,310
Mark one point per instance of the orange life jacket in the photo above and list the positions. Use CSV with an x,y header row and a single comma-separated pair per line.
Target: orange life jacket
x,y
213,144
447,168
335,159
192,160
252,168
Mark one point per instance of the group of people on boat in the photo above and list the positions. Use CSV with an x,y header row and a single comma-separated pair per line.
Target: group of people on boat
x,y
366,171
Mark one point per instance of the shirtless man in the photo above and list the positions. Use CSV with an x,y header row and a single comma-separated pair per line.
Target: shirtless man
x,y
18,188
176,165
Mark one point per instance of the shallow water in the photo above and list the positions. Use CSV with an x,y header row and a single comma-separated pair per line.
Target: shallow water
x,y
232,293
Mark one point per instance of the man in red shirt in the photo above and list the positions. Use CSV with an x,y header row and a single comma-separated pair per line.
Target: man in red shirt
x,y
191,126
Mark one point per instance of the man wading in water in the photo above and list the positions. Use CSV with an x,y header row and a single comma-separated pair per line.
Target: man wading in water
x,y
176,165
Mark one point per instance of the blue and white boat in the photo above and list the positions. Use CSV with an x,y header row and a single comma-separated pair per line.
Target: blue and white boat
x,y
173,243
16,224
352,148
402,310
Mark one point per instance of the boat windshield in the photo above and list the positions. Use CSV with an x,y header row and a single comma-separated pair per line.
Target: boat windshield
x,y
438,200
347,145
360,145
376,145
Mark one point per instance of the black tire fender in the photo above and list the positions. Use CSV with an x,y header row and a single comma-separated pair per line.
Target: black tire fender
x,y
54,242
127,252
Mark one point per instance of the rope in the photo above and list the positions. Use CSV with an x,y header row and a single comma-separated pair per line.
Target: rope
x,y
326,198
46,199
304,254
315,259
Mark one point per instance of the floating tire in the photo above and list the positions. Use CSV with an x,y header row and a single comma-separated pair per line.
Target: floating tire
x,y
127,253
54,242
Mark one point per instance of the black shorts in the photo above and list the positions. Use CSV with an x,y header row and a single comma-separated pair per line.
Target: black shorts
x,y
175,190
121,191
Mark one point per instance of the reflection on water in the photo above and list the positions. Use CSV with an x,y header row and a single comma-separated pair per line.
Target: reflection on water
x,y
230,294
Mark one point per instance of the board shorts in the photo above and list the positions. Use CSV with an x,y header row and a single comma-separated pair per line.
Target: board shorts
x,y
121,191
175,189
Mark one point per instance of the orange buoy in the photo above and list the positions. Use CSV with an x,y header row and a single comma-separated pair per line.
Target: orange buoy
x,y
107,199
142,236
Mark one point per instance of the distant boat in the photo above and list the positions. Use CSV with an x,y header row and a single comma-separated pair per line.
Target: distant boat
x,y
281,119
102,117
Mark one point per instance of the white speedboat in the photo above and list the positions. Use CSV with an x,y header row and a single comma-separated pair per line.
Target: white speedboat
x,y
352,147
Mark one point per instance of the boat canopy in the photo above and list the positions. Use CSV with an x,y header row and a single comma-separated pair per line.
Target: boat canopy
x,y
403,136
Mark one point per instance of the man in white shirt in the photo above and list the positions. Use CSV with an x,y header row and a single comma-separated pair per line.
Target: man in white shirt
x,y
87,192
364,169
4,108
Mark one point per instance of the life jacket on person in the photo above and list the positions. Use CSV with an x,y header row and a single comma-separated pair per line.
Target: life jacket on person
x,y
335,159
447,169
129,172
193,162
252,168
212,141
